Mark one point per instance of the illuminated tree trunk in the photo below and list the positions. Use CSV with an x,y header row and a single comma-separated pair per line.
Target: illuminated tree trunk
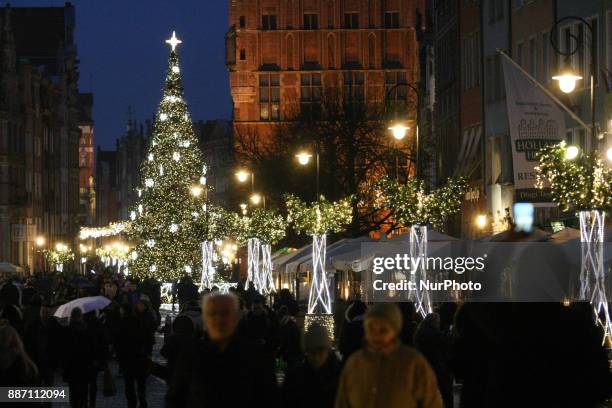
x,y
592,276
418,252
266,269
208,270
319,301
253,245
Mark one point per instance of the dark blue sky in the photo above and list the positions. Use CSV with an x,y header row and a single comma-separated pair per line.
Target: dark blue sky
x,y
123,55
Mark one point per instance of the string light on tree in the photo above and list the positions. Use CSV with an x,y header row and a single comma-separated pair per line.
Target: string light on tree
x,y
582,183
319,219
411,205
167,235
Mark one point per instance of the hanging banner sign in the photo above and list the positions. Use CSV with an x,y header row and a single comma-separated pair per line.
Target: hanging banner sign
x,y
535,122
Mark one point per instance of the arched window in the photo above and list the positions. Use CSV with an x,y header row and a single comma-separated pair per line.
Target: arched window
x,y
331,52
372,51
289,52
290,13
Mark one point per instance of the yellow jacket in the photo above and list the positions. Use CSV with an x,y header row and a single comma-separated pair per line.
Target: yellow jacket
x,y
402,378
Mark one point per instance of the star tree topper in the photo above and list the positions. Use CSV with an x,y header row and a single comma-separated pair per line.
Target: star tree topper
x,y
173,41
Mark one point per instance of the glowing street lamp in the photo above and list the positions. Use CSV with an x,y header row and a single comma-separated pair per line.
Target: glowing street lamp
x,y
399,131
255,199
196,191
481,221
567,80
40,241
303,158
609,154
242,176
571,153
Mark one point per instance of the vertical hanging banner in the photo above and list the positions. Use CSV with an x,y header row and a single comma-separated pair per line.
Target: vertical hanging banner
x,y
534,121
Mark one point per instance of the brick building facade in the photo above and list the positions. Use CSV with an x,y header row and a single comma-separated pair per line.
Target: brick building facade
x,y
39,131
283,54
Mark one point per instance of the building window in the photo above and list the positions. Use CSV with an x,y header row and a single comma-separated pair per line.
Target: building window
x,y
532,57
242,54
500,9
311,22
290,13
330,14
331,52
351,20
545,58
242,22
354,90
310,91
290,52
372,51
269,97
396,88
491,11
519,54
470,61
268,22
392,19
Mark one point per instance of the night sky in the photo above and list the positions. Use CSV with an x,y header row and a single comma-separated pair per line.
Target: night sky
x,y
124,57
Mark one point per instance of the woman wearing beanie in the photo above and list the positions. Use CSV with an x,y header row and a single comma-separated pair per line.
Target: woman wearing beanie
x,y
386,373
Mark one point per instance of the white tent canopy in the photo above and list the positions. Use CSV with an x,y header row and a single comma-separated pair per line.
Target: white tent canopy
x,y
346,245
359,258
6,267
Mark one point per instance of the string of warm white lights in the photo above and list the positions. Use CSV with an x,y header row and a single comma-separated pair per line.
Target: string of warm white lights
x,y
110,230
411,204
171,218
317,220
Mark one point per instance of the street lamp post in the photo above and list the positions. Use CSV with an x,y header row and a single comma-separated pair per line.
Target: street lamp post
x,y
567,77
242,176
304,159
399,128
40,244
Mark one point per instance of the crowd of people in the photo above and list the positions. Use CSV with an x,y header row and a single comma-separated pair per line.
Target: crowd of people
x,y
240,348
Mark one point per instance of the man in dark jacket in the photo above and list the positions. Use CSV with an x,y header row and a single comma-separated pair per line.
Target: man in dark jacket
x,y
79,365
220,369
352,333
133,345
315,381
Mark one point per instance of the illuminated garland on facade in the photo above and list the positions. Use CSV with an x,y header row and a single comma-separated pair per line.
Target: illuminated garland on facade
x,y
411,204
113,229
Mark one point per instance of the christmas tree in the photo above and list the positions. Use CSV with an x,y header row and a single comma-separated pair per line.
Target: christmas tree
x,y
167,221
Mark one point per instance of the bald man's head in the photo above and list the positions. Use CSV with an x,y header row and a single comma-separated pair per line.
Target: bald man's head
x,y
220,313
